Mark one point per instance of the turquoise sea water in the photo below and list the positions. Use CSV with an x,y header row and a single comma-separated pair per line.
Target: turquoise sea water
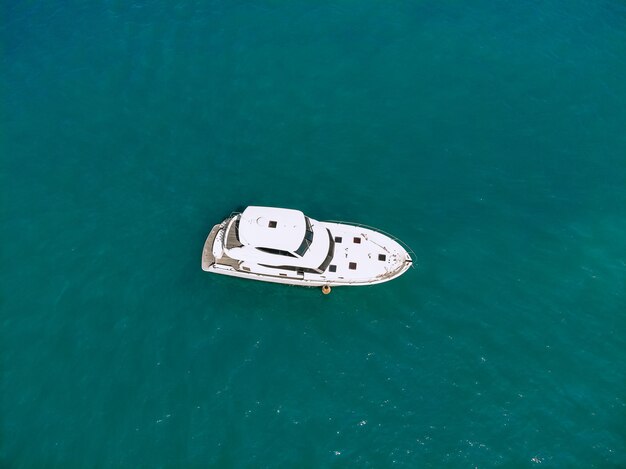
x,y
490,136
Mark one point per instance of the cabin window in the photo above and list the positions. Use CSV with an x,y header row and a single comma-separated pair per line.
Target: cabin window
x,y
357,240
332,268
382,257
278,252
298,270
352,265
272,224
338,239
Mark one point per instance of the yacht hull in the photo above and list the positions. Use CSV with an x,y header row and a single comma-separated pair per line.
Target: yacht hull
x,y
301,282
358,256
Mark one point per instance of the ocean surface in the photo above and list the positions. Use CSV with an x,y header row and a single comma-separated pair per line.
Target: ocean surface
x,y
489,136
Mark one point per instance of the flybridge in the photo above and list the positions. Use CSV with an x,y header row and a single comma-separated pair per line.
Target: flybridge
x,y
273,228
285,246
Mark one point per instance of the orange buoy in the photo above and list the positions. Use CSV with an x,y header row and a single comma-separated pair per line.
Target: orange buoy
x,y
325,289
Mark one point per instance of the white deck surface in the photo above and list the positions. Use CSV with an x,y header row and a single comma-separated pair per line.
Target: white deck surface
x,y
287,233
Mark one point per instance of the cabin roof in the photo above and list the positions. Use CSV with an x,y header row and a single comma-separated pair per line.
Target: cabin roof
x,y
269,227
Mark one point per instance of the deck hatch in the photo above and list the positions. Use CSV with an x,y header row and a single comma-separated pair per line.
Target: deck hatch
x,y
352,265
338,239
332,268
272,224
382,257
357,240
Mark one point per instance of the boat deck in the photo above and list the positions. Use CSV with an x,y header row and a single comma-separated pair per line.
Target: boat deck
x,y
356,255
207,252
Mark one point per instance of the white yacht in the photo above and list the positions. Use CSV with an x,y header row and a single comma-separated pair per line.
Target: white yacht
x,y
285,246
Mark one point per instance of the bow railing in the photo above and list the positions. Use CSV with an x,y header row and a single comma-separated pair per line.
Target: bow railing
x,y
395,238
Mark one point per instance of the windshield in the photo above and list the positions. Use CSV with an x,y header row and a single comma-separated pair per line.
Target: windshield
x,y
308,239
331,252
